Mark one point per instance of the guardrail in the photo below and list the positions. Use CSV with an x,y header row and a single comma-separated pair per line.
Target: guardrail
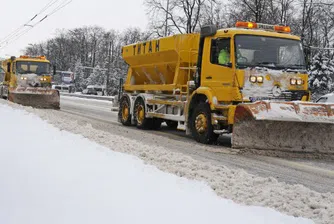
x,y
106,98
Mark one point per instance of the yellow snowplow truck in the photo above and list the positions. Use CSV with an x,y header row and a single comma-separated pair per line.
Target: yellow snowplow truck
x,y
27,81
250,80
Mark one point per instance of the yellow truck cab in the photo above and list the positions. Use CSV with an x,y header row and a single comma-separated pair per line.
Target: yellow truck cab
x,y
27,81
207,82
20,70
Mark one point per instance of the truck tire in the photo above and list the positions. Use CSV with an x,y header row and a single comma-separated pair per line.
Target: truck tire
x,y
124,111
201,127
2,96
172,124
155,123
139,115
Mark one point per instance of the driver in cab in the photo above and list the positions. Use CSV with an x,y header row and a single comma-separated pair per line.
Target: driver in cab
x,y
224,54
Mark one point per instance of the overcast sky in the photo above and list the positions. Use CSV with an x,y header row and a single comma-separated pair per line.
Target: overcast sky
x,y
109,14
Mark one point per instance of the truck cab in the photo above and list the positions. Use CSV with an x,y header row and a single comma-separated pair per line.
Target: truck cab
x,y
27,82
27,71
264,63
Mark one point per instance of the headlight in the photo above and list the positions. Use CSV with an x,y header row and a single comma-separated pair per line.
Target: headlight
x,y
43,79
299,82
252,79
24,78
260,79
293,81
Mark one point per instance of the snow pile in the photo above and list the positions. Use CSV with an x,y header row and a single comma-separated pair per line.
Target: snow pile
x,y
298,111
53,176
234,184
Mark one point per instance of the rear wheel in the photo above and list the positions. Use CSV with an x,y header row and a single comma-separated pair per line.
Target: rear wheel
x,y
124,111
172,124
140,115
201,127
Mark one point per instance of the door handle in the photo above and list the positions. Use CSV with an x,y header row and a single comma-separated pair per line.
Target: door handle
x,y
208,77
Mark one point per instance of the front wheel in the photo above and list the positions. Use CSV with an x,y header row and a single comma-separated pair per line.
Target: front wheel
x,y
201,127
2,93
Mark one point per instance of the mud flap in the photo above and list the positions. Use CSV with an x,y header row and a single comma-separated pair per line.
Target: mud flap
x,y
35,97
285,126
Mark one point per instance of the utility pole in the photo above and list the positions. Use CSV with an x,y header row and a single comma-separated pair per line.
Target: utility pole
x,y
167,11
109,65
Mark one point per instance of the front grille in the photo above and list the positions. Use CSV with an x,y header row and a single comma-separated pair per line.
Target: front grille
x,y
293,95
285,96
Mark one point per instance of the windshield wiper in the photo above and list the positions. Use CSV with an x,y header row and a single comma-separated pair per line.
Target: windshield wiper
x,y
295,65
265,63
242,66
25,72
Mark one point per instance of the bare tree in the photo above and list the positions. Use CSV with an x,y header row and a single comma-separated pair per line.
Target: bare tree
x,y
175,16
255,9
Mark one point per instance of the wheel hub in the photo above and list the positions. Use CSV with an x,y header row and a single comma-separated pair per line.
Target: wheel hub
x,y
201,123
125,112
140,114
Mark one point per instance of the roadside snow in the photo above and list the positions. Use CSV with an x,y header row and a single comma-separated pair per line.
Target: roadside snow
x,y
234,184
53,176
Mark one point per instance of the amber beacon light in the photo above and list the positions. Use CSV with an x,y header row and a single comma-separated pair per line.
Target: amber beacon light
x,y
252,25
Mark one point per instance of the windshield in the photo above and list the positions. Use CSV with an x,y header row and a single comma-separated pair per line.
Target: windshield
x,y
270,52
28,67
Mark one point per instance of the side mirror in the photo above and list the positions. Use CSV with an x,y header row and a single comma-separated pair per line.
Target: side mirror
x,y
208,30
54,70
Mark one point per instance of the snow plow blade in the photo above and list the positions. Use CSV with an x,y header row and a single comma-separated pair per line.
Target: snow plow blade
x,y
285,126
35,97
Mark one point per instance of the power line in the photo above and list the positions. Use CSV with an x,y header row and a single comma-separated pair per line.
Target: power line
x,y
10,35
51,3
21,33
62,5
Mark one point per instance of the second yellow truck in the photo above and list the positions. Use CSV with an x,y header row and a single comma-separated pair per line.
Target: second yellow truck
x,y
250,80
27,81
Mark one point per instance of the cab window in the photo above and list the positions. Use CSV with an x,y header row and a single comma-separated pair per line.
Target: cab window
x,y
220,51
2,74
14,67
8,67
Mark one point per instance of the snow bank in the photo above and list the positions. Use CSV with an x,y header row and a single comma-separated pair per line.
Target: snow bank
x,y
53,176
234,184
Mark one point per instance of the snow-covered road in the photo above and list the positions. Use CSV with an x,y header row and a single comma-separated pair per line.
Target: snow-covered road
x,y
315,174
48,175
